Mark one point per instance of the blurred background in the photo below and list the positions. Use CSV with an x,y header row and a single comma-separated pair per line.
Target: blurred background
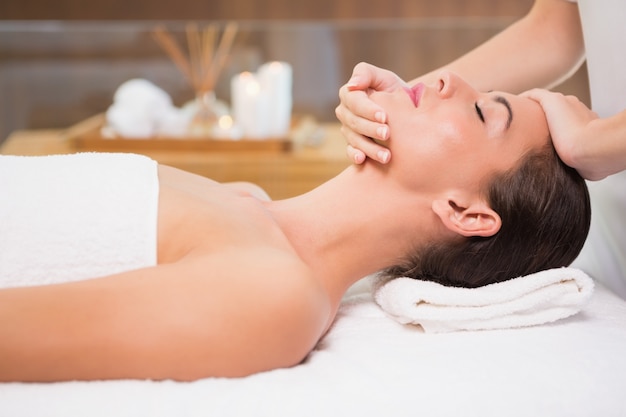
x,y
61,61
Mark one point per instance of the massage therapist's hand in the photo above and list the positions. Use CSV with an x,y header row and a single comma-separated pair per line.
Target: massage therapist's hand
x,y
573,127
363,120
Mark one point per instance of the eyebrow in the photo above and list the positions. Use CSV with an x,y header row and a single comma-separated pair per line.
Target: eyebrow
x,y
505,103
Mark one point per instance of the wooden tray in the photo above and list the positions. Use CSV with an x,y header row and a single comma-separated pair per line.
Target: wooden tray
x,y
87,136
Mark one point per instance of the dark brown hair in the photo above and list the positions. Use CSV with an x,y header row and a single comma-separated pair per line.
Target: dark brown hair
x,y
545,211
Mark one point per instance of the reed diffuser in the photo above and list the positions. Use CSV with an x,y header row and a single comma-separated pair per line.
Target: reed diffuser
x,y
201,64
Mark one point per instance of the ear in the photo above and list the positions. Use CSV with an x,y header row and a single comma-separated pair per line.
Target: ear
x,y
478,219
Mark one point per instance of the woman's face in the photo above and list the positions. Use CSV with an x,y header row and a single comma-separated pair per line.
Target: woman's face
x,y
450,134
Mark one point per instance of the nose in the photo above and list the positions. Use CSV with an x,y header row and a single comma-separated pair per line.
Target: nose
x,y
448,84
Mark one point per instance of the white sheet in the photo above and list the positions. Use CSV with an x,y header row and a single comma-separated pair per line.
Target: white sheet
x,y
370,365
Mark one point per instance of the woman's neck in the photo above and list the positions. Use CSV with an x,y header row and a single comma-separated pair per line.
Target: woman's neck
x,y
354,225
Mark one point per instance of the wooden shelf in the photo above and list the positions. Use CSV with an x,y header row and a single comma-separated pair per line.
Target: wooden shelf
x,y
87,136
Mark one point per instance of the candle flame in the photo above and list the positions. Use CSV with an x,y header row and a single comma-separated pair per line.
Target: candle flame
x,y
225,122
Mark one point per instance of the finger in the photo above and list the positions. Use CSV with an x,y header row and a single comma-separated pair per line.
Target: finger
x,y
362,76
367,146
361,79
356,121
557,104
541,95
364,128
357,82
531,92
355,155
360,113
370,76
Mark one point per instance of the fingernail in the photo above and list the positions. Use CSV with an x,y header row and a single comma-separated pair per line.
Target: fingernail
x,y
380,117
383,156
358,158
382,131
353,82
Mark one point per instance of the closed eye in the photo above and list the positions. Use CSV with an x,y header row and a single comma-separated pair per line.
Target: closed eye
x,y
479,112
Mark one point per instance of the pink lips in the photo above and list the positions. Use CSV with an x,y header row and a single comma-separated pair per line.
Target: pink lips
x,y
415,93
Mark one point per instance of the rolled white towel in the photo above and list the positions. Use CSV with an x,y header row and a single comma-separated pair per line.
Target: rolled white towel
x,y
538,298
138,109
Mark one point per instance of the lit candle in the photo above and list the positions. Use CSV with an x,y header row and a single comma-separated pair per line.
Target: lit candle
x,y
225,128
277,78
250,105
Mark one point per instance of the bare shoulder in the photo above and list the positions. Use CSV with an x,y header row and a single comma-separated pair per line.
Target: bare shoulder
x,y
174,176
248,188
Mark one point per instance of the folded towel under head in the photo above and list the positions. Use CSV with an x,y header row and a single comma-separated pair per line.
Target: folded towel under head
x,y
543,297
72,217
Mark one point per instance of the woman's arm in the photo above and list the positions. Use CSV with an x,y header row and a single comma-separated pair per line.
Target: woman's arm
x,y
540,50
241,312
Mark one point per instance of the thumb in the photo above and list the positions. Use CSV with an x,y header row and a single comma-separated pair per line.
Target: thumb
x,y
362,77
536,94
546,98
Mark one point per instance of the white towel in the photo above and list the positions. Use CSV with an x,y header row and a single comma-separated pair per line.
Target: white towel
x,y
543,297
72,217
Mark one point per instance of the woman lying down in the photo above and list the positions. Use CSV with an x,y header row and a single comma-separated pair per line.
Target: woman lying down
x,y
217,280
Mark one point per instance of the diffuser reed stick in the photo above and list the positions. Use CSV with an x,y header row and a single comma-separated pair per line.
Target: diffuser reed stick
x,y
203,62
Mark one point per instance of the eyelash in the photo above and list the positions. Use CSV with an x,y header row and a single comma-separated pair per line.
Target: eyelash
x,y
479,112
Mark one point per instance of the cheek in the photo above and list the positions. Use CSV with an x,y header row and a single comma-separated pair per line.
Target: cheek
x,y
430,138
437,141
431,157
